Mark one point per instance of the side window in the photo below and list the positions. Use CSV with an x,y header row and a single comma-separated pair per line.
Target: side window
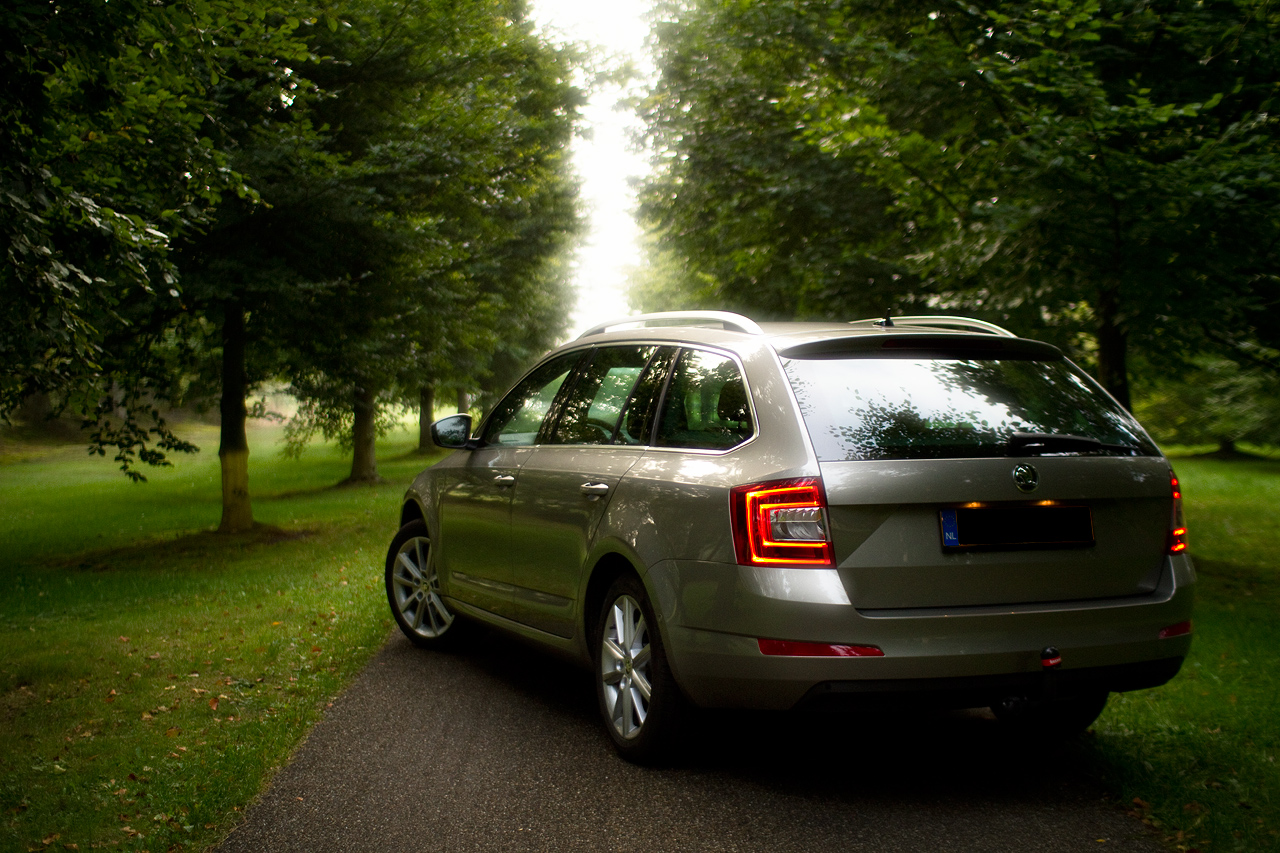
x,y
519,416
637,419
706,404
590,413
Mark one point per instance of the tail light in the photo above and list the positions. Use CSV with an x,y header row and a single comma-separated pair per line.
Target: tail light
x,y
1177,526
781,523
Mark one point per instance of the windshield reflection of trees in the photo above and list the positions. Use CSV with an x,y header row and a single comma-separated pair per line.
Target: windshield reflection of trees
x,y
922,419
1042,396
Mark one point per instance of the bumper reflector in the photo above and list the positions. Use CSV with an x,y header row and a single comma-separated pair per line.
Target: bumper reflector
x,y
1176,630
795,648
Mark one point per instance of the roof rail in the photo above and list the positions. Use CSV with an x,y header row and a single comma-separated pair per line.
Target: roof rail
x,y
727,320
937,321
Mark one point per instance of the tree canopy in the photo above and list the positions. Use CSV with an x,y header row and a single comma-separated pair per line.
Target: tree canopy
x,y
106,155
359,197
1106,171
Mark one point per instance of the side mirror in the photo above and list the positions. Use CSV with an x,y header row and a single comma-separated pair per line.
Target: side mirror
x,y
453,432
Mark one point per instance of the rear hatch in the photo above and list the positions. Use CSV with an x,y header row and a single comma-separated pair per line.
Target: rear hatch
x,y
965,470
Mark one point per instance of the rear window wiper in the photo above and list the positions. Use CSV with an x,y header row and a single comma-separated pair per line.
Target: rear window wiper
x,y
1035,443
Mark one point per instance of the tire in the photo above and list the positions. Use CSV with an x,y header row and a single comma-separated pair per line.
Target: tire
x,y
413,589
640,703
1060,719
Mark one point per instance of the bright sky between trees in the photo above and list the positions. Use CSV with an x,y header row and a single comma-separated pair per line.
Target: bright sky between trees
x,y
604,156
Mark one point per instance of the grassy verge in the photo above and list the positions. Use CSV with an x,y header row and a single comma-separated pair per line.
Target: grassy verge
x,y
1197,758
154,674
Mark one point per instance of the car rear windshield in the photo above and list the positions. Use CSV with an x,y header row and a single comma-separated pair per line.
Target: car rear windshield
x,y
932,408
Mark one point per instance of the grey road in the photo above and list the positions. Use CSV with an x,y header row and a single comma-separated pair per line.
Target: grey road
x,y
497,748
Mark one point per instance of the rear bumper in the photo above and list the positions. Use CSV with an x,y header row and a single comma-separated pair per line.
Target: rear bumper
x,y
961,657
985,690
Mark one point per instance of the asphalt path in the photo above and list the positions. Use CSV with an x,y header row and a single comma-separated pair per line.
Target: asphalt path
x,y
497,747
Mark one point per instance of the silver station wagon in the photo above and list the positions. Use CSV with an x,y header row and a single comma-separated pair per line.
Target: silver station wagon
x,y
713,512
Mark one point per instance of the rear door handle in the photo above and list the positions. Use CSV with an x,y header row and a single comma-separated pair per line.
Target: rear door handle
x,y
595,490
503,481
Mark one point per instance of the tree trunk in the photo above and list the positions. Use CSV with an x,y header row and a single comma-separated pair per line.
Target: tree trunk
x,y
233,451
464,402
1113,346
364,464
426,416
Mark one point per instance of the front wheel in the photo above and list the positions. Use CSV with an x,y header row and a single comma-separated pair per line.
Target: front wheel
x,y
638,697
413,588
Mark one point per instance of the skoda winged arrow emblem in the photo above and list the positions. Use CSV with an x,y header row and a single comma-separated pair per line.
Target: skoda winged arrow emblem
x,y
1025,477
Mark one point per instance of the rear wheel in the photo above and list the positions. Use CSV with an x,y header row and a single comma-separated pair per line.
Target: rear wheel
x,y
413,588
639,700
1059,719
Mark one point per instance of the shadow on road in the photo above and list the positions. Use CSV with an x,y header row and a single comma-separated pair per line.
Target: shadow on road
x,y
497,746
875,752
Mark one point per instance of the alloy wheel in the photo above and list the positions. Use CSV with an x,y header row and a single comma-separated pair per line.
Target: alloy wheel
x,y
625,656
416,589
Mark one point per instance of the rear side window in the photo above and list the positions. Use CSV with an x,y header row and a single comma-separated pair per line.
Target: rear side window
x,y
933,408
591,410
706,404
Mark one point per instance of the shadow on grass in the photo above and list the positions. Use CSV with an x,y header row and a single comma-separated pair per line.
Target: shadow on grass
x,y
338,487
1225,580
313,492
163,554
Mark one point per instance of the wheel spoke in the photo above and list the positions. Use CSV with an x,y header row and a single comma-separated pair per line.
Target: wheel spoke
x,y
640,659
613,696
437,605
430,615
404,560
611,677
625,714
639,703
618,621
635,623
642,687
615,651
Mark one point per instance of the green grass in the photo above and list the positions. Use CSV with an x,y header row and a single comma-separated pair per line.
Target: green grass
x,y
1197,758
122,620
154,674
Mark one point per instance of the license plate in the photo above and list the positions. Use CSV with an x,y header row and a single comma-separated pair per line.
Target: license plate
x,y
1016,527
